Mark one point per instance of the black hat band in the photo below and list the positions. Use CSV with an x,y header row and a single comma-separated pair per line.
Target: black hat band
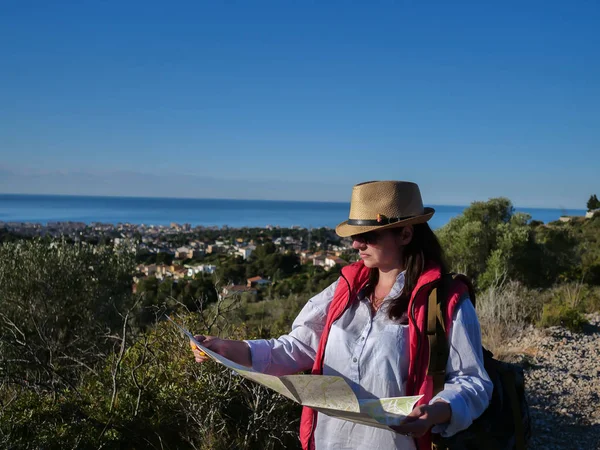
x,y
382,220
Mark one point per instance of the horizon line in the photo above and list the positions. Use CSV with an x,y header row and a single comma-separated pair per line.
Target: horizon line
x,y
261,200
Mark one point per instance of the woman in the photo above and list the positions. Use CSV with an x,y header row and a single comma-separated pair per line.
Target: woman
x,y
369,328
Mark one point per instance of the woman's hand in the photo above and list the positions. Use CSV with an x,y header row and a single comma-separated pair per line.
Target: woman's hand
x,y
423,417
199,355
236,351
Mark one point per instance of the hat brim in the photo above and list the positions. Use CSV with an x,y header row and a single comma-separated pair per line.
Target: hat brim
x,y
345,230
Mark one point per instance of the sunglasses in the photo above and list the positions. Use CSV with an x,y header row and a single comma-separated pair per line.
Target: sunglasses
x,y
370,237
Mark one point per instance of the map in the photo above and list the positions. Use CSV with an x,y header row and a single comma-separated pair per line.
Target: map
x,y
330,395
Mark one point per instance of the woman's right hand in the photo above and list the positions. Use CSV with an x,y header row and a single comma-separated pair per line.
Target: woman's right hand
x,y
199,355
236,351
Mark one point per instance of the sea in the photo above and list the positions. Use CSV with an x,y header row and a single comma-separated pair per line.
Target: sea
x,y
206,212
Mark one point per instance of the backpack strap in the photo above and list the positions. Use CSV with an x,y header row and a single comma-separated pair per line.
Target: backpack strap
x,y
467,282
439,349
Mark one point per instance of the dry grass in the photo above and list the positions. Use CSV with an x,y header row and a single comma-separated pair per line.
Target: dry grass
x,y
504,310
507,308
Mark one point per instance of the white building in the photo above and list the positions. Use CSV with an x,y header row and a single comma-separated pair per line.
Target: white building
x,y
592,213
331,261
245,252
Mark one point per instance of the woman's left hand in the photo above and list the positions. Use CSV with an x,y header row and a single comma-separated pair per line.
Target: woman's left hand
x,y
423,417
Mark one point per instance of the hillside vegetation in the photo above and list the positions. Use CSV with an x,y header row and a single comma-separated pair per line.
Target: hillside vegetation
x,y
84,363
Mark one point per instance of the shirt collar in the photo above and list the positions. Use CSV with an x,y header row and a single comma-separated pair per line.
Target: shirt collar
x,y
398,286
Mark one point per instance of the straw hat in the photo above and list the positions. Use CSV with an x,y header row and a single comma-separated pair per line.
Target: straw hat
x,y
379,205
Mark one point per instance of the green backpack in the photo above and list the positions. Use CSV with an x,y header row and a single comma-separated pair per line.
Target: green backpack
x,y
505,424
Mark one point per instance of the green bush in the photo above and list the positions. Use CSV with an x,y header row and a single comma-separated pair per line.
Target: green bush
x,y
560,314
592,300
77,370
60,306
490,243
151,395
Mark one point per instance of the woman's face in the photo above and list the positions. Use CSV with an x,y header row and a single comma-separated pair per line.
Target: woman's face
x,y
382,249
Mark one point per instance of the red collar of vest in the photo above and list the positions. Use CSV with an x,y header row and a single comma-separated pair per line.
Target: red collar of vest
x,y
357,274
431,273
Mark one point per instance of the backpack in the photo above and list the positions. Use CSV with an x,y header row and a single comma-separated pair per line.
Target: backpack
x,y
505,424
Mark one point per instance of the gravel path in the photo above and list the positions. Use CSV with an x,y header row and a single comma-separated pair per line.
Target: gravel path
x,y
563,385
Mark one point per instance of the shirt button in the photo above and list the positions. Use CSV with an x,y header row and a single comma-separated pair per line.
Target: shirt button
x,y
362,338
354,359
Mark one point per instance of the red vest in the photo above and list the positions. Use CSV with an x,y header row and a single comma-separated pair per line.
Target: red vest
x,y
354,278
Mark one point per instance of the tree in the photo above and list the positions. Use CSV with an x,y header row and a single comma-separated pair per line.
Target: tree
x,y
515,256
164,258
489,242
561,253
470,238
262,251
593,203
232,270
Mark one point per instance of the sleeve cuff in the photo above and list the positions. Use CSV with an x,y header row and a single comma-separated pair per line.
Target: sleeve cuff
x,y
460,418
260,351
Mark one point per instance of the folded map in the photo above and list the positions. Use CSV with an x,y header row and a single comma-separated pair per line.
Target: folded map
x,y
331,395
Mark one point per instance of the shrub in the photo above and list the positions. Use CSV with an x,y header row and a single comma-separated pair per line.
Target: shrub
x,y
561,314
151,395
60,305
505,309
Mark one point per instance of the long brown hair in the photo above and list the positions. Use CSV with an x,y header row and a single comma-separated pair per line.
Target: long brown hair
x,y
424,248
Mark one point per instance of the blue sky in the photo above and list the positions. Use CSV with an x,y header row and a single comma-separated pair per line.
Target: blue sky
x,y
300,100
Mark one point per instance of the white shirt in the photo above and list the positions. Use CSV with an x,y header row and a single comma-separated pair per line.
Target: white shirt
x,y
370,352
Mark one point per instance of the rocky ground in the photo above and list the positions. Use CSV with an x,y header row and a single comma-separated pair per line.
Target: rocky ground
x,y
563,385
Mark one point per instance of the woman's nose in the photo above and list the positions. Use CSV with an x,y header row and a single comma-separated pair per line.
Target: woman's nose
x,y
357,245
